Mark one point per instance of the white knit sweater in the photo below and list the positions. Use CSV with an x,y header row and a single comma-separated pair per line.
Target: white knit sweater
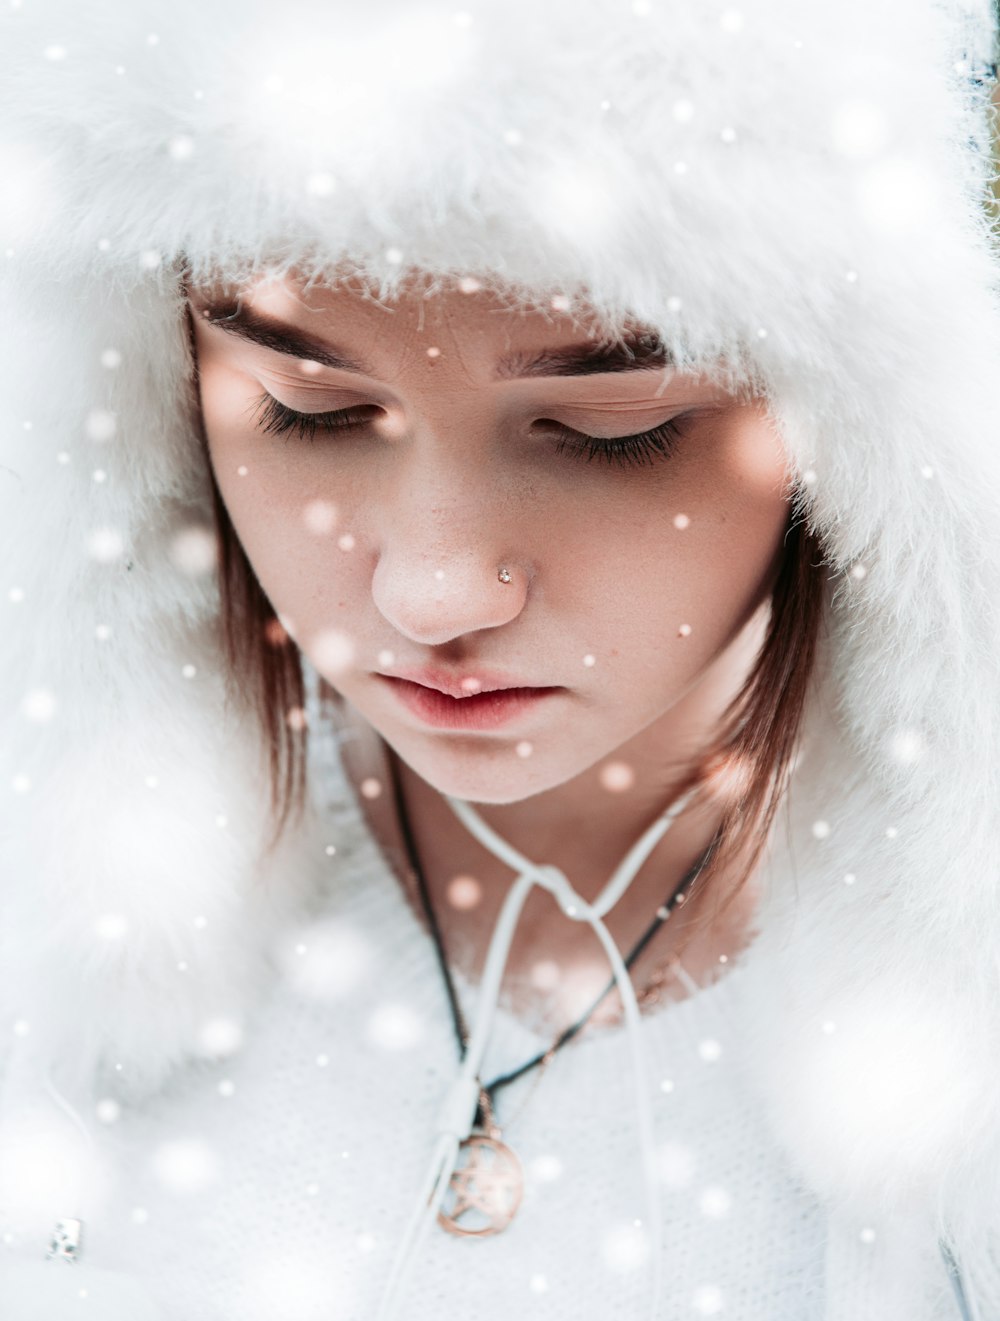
x,y
273,1184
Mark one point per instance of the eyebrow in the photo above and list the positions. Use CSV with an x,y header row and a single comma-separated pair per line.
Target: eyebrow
x,y
634,351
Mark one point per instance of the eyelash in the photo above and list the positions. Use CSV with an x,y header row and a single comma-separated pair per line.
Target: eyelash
x,y
644,447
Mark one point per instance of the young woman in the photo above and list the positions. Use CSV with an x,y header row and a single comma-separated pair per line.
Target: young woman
x,y
500,525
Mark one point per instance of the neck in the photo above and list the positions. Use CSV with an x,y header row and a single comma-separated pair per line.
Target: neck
x,y
571,827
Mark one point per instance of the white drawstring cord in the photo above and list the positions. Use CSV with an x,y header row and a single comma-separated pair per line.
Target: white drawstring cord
x,y
967,1306
65,1106
458,1112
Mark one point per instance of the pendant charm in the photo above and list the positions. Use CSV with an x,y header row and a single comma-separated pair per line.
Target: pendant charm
x,y
485,1188
65,1242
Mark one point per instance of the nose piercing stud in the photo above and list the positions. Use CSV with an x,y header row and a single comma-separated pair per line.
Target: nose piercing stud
x,y
504,575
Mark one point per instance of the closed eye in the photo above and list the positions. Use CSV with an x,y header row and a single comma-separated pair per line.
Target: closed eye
x,y
643,447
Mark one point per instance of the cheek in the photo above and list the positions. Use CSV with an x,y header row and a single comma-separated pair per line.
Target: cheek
x,y
289,529
675,562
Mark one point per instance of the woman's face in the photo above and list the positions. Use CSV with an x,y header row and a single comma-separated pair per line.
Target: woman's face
x,y
465,440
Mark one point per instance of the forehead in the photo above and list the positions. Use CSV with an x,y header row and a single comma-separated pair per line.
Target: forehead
x,y
506,336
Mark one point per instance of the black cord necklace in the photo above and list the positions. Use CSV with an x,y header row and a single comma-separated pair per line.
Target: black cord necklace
x,y
491,1181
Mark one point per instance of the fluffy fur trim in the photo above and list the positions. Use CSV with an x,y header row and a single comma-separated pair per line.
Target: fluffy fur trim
x,y
791,189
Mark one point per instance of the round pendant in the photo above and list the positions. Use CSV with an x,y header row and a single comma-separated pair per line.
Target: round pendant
x,y
485,1188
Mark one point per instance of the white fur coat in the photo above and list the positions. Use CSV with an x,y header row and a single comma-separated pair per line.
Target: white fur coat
x,y
794,186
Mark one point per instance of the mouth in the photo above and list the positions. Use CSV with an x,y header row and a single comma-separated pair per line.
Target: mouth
x,y
478,710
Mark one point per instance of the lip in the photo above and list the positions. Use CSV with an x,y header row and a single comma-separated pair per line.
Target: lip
x,y
491,707
461,686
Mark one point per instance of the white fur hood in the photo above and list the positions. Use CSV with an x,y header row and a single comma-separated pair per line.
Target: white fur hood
x,y
796,187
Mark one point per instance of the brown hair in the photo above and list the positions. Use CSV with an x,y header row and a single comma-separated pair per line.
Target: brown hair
x,y
759,729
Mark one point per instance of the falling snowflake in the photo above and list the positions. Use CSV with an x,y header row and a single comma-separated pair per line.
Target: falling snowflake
x,y
464,893
332,651
39,705
546,975
715,1202
193,550
220,1036
859,129
617,776
181,147
395,1027
675,1164
185,1165
320,184
319,517
907,747
111,926
707,1300
546,1168
100,425
105,544
625,1247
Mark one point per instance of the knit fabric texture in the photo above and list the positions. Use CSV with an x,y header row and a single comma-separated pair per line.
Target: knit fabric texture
x,y
276,1179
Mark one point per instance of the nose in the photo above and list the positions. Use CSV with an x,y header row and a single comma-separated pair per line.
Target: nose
x,y
444,567
433,600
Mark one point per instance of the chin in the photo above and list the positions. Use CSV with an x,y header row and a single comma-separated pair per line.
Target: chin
x,y
486,778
